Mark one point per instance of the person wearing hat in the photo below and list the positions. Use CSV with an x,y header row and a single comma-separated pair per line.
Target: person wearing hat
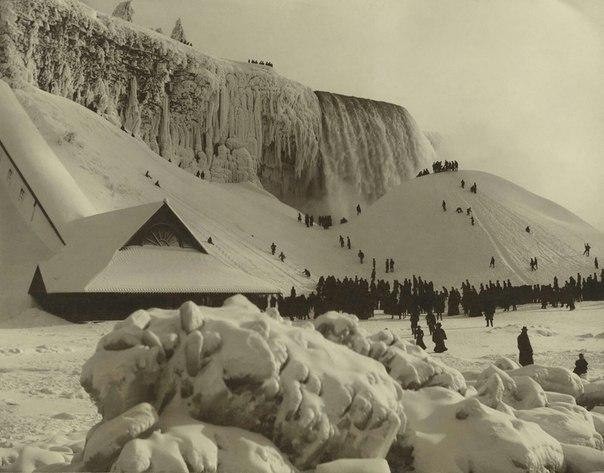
x,y
580,366
525,349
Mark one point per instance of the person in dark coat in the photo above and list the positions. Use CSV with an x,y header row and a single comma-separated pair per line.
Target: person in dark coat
x,y
358,209
282,256
444,205
348,245
341,241
391,264
148,175
299,217
463,184
431,321
361,255
273,248
419,337
387,264
210,241
438,337
527,229
414,319
580,366
492,263
596,264
525,356
157,183
307,273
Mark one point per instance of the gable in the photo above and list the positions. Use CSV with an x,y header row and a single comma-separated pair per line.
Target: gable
x,y
164,228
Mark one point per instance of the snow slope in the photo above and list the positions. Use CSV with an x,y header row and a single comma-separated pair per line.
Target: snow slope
x,y
407,224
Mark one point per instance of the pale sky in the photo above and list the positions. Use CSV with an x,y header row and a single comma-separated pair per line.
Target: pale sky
x,y
515,86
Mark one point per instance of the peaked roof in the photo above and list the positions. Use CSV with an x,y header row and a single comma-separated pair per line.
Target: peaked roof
x,y
93,241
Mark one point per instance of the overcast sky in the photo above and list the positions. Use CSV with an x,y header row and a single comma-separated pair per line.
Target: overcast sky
x,y
516,86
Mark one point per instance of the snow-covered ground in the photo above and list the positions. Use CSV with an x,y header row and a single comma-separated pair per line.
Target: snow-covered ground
x,y
41,400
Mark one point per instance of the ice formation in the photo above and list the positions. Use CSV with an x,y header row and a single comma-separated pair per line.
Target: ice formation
x,y
124,10
316,400
411,366
369,146
234,121
178,32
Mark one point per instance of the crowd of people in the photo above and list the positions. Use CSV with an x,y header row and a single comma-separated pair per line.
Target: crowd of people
x,y
440,166
262,63
415,296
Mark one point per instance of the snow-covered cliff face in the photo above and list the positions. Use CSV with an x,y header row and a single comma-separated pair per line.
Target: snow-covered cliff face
x,y
234,121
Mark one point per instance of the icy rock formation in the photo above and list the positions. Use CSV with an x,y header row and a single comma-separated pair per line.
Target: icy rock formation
x,y
178,32
452,434
183,104
552,378
124,11
237,122
408,364
316,400
370,146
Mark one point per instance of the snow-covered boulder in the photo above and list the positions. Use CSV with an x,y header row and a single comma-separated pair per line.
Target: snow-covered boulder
x,y
411,366
184,445
580,459
498,390
236,366
105,440
448,433
593,394
552,378
506,364
566,423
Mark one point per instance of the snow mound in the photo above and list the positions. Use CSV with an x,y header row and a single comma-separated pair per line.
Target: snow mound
x,y
408,364
236,366
579,459
506,364
552,378
593,394
566,423
498,390
354,466
452,434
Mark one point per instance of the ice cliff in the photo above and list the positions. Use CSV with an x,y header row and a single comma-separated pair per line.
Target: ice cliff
x,y
235,121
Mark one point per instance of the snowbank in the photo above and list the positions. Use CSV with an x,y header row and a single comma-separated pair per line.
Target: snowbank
x,y
411,366
316,400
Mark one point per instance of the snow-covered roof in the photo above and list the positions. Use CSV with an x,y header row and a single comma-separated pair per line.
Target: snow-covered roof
x,y
161,269
95,259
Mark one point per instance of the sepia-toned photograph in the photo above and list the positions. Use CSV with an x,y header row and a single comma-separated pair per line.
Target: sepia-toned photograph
x,y
302,236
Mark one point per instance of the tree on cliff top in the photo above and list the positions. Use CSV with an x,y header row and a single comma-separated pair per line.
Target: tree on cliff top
x,y
124,10
178,33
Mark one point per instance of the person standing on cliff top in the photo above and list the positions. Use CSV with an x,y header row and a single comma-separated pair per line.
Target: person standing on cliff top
x,y
358,209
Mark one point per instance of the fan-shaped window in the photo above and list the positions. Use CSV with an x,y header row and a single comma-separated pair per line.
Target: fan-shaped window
x,y
161,234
